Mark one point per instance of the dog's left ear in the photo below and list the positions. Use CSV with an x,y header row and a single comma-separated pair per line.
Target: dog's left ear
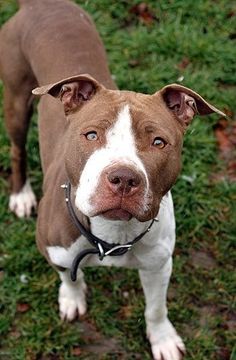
x,y
72,91
186,103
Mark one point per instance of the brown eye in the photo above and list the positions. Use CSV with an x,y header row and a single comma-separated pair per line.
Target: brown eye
x,y
91,136
159,142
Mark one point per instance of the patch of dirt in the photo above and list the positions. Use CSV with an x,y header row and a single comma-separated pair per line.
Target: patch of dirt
x,y
225,132
207,314
223,354
96,343
49,357
172,293
202,259
102,347
188,330
229,318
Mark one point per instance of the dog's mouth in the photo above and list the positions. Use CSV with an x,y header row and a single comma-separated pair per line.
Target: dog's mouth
x,y
122,208
117,214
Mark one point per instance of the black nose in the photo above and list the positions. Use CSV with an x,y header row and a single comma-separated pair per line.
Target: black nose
x,y
124,181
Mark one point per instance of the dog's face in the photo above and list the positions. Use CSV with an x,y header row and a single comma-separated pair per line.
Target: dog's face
x,y
123,149
123,155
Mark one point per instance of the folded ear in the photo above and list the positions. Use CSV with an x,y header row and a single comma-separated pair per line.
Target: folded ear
x,y
72,91
186,103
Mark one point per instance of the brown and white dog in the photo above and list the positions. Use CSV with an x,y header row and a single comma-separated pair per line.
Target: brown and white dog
x,y
120,151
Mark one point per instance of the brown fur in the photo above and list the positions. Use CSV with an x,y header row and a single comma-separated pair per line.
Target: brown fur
x,y
47,41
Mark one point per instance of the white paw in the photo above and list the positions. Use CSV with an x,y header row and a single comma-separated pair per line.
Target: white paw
x,y
72,301
171,348
23,202
165,343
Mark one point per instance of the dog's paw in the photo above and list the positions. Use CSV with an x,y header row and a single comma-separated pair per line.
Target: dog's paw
x,y
165,343
171,348
72,302
24,202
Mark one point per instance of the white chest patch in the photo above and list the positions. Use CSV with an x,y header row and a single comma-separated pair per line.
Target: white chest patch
x,y
151,252
120,148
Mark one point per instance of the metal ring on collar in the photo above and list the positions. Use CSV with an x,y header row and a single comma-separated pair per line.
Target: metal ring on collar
x,y
101,251
118,247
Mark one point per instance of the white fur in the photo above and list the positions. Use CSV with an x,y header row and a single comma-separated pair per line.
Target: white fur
x,y
72,300
152,255
120,147
168,348
163,338
24,202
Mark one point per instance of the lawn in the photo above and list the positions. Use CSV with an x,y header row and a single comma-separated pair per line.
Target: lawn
x,y
192,42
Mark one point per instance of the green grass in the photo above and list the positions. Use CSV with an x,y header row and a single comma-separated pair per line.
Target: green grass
x,y
201,296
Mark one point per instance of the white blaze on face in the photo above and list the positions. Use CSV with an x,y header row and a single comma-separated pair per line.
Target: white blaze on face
x,y
120,148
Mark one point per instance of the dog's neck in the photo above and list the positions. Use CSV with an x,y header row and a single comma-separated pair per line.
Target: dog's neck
x,y
114,231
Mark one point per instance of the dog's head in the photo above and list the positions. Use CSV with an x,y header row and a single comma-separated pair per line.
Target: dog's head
x,y
123,148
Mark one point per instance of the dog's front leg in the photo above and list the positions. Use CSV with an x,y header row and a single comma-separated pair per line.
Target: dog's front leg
x,y
72,296
165,342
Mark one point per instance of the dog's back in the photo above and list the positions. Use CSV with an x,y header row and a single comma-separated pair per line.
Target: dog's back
x,y
61,35
44,42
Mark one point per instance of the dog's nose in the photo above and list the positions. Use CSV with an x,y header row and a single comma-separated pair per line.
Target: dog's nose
x,y
124,181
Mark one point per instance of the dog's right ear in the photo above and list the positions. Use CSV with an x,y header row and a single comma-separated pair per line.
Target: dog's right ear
x,y
72,91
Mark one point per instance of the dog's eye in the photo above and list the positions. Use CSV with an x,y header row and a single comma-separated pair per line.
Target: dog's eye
x,y
91,136
159,142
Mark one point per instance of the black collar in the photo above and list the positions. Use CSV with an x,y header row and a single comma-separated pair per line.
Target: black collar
x,y
100,247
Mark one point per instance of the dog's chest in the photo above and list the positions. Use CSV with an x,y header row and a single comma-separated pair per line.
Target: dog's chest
x,y
64,257
151,252
113,232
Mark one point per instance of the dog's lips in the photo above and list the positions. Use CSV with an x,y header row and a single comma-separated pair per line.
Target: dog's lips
x,y
121,208
117,214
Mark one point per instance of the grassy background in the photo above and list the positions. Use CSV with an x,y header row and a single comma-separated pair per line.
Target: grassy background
x,y
195,40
